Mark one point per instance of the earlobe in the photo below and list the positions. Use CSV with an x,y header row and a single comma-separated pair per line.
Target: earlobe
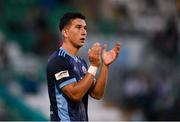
x,y
64,33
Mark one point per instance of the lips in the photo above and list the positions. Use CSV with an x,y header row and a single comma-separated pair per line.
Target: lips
x,y
82,38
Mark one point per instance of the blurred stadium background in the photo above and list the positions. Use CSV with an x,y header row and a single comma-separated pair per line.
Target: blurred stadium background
x,y
144,81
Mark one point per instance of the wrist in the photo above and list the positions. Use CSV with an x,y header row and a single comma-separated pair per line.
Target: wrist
x,y
105,65
92,70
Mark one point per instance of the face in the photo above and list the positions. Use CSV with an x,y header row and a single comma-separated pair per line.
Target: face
x,y
76,32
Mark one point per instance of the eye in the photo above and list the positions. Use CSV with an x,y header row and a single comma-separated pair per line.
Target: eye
x,y
85,27
78,26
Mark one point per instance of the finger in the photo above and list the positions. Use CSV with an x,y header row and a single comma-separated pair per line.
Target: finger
x,y
117,47
104,48
118,44
89,51
97,44
96,48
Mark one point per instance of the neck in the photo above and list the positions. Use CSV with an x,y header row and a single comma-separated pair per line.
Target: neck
x,y
70,48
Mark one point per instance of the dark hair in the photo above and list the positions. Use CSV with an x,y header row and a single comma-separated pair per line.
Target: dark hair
x,y
66,19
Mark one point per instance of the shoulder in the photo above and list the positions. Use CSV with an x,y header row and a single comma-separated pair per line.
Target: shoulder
x,y
58,62
58,57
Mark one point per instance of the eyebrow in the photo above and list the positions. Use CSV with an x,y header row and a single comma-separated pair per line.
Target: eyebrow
x,y
79,25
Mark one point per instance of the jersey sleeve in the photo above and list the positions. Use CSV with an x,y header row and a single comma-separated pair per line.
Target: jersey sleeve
x,y
61,71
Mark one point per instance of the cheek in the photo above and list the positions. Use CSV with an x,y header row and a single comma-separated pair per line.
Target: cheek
x,y
73,34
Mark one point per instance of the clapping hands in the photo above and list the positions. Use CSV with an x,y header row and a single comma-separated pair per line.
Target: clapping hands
x,y
108,57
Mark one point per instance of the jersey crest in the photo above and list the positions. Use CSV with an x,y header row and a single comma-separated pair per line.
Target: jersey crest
x,y
84,69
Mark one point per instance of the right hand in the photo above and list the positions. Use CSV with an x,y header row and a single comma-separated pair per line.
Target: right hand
x,y
94,54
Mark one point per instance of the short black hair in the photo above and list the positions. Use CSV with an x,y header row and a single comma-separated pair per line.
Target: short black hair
x,y
66,19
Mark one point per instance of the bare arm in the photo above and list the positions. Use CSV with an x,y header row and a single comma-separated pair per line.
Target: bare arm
x,y
77,90
97,89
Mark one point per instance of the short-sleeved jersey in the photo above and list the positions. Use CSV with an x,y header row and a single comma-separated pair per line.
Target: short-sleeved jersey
x,y
64,69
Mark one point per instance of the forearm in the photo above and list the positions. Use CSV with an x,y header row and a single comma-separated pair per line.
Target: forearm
x,y
77,90
98,88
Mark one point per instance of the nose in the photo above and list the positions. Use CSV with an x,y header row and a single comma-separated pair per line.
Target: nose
x,y
84,32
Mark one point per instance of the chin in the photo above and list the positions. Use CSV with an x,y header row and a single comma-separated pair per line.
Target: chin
x,y
82,43
79,46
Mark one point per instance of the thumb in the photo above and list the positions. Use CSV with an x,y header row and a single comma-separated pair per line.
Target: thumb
x,y
104,48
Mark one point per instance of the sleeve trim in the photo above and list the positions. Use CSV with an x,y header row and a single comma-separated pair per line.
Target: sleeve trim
x,y
67,82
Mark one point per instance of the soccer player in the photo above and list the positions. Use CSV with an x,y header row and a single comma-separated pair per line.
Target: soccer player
x,y
70,80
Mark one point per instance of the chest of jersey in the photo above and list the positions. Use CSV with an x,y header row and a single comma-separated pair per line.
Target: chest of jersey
x,y
79,68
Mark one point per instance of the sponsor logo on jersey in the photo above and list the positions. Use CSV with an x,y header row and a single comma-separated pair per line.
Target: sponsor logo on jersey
x,y
61,74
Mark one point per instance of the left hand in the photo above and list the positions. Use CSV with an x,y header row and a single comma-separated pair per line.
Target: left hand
x,y
109,57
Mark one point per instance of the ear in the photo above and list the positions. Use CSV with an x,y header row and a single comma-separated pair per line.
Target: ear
x,y
64,33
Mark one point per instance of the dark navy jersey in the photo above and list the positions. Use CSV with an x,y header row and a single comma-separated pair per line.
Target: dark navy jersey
x,y
64,69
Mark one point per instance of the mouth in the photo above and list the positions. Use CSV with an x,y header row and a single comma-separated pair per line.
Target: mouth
x,y
83,39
